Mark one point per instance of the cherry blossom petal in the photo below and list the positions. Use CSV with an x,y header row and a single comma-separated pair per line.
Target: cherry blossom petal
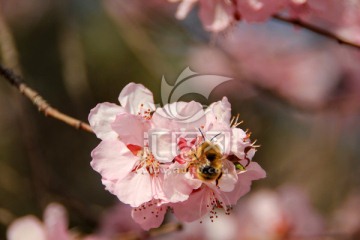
x,y
162,144
113,160
28,227
157,185
238,144
178,184
250,154
221,110
180,115
101,117
184,8
299,2
218,117
228,178
109,184
195,207
130,128
253,172
135,189
149,215
136,98
215,15
259,10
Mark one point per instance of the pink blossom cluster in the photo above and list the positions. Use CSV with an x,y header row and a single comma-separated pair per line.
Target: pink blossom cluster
x,y
154,179
285,213
217,15
54,226
311,79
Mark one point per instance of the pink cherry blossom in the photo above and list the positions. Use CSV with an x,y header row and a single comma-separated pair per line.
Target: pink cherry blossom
x,y
152,177
233,183
217,15
55,226
135,99
191,197
128,168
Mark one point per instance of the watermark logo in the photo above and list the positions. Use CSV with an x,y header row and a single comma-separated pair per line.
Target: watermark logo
x,y
165,145
187,82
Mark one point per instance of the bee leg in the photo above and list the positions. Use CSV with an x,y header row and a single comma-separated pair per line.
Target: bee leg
x,y
217,179
188,167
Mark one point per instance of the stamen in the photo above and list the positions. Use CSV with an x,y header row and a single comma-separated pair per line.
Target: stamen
x,y
145,113
235,121
147,163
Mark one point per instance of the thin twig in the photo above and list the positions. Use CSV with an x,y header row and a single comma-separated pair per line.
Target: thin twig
x,y
318,30
153,233
38,101
38,174
166,228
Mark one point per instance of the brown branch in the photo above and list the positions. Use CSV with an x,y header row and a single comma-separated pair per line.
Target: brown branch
x,y
165,229
318,30
152,233
38,101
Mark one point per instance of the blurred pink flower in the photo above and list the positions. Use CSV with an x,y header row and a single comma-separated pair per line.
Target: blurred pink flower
x,y
217,15
115,223
224,227
284,214
259,10
54,227
346,220
318,75
266,214
341,17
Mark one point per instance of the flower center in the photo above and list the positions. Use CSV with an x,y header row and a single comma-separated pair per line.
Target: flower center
x,y
147,164
214,205
144,112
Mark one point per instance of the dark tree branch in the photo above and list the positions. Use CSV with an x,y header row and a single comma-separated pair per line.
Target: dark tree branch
x,y
317,30
38,101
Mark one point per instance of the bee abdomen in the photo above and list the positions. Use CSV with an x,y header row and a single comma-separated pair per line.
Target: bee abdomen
x,y
209,172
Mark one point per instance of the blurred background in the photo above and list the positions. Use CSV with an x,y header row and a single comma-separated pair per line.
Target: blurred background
x,y
297,92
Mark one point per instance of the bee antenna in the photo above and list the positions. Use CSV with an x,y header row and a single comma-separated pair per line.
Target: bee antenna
x,y
196,157
202,134
215,136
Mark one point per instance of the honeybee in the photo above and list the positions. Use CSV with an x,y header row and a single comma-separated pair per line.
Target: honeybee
x,y
208,158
